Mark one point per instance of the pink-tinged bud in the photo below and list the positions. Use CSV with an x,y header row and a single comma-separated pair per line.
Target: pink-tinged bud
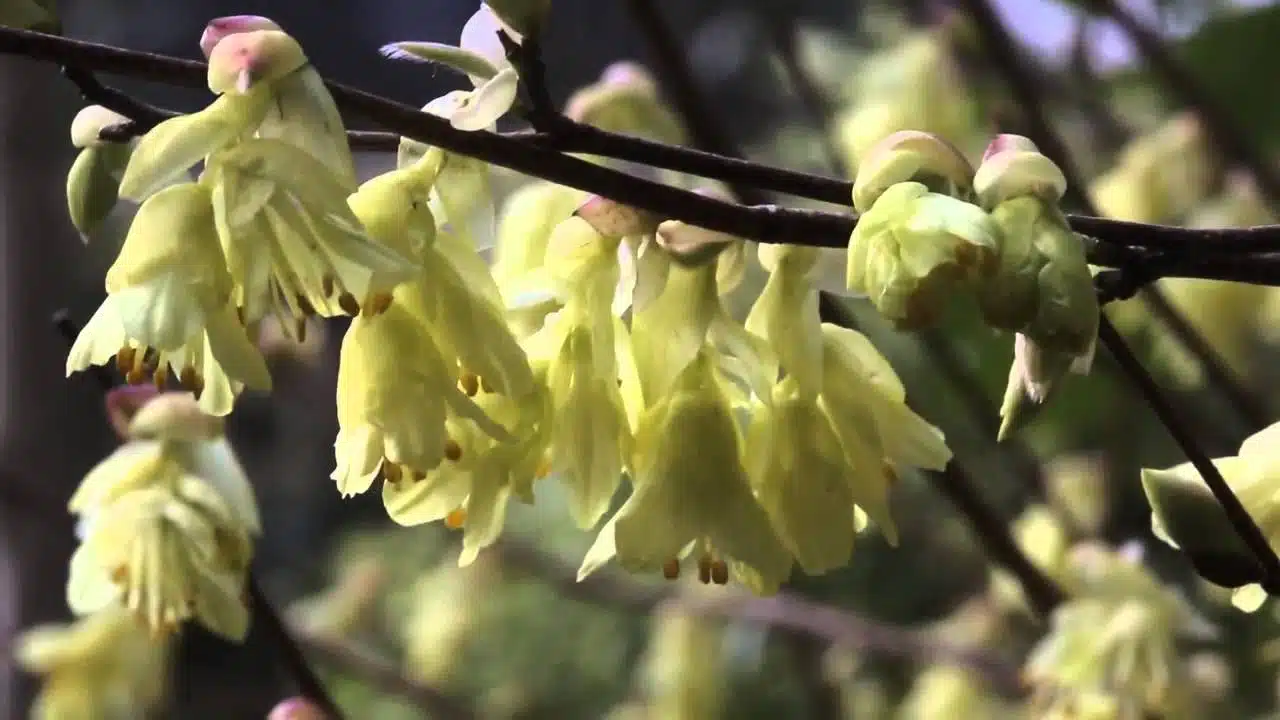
x,y
613,219
124,402
629,74
1006,142
296,708
242,60
219,28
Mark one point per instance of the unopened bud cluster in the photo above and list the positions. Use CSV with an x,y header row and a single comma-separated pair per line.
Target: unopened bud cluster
x,y
932,228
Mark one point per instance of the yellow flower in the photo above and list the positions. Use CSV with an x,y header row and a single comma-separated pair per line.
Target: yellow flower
x,y
100,667
913,248
167,525
471,491
1186,516
293,246
168,313
691,493
93,182
248,51
394,388
1117,634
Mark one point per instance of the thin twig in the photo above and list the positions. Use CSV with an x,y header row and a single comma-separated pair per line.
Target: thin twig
x,y
784,610
765,223
260,607
360,663
1236,145
1000,45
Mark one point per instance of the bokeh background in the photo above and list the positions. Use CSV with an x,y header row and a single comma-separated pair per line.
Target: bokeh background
x,y
512,636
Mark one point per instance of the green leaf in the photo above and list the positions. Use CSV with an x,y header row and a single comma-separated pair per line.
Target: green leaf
x,y
1187,514
464,61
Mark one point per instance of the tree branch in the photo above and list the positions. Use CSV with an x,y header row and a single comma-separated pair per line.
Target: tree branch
x,y
360,663
784,611
1000,45
531,155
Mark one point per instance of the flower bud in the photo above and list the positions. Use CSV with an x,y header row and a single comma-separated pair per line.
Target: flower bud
x,y
296,708
124,402
911,155
174,416
1014,167
221,27
913,248
89,124
243,61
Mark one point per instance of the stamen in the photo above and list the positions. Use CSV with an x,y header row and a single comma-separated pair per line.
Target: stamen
x,y
300,329
241,314
305,306
198,390
456,519
327,285
188,378
485,386
161,378
125,359
470,383
719,572
119,574
348,303
391,471
452,450
704,569
379,303
671,568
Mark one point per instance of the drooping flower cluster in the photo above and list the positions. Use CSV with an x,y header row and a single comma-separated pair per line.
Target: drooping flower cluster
x,y
1112,648
597,348
931,227
167,524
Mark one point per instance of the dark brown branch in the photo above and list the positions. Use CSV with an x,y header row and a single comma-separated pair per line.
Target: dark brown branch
x,y
260,607
766,223
1000,45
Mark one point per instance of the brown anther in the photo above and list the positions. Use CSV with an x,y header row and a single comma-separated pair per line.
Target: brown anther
x,y
704,569
452,450
470,383
391,472
300,329
305,306
125,357
326,284
890,474
188,377
379,303
719,572
455,519
671,569
136,376
198,388
485,386
161,378
544,468
240,314
119,574
348,303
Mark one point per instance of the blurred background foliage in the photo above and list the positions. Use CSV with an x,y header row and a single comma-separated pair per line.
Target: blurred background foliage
x,y
513,642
